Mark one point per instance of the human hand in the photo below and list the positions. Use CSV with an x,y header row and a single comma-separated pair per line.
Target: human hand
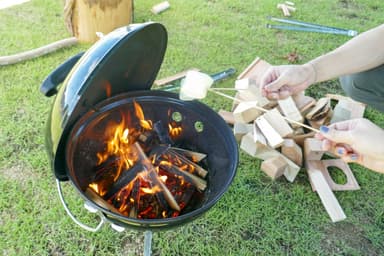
x,y
279,82
356,140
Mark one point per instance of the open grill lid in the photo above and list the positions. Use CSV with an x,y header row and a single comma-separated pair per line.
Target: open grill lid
x,y
127,59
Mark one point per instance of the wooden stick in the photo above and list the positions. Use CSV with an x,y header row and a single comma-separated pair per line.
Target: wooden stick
x,y
266,110
12,59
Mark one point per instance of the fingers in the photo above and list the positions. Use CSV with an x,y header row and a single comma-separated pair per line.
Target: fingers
x,y
338,132
282,93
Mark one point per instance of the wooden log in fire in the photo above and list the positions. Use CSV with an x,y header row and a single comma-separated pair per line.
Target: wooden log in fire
x,y
198,182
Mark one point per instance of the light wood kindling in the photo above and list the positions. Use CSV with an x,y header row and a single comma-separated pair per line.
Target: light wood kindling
x,y
313,149
169,79
227,116
328,199
351,183
289,109
292,151
274,167
273,137
277,121
255,70
240,129
246,112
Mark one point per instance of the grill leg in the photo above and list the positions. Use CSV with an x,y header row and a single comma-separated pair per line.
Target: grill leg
x,y
147,243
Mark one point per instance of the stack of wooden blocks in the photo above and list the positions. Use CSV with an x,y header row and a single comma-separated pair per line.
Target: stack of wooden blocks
x,y
287,147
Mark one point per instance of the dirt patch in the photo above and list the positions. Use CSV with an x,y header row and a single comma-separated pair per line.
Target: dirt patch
x,y
19,173
133,245
346,239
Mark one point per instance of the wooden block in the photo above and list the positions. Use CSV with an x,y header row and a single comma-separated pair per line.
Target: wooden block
x,y
319,110
289,109
158,8
277,121
255,70
326,195
292,170
242,84
274,167
253,95
251,147
322,119
240,129
351,183
258,135
273,137
170,79
347,109
341,97
264,152
292,151
300,138
227,116
246,112
313,149
303,102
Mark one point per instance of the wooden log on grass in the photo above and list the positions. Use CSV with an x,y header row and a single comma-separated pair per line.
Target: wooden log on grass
x,y
86,17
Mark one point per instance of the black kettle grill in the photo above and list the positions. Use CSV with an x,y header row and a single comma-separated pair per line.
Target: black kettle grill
x,y
116,71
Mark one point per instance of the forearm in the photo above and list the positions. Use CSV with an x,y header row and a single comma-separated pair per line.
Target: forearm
x,y
361,53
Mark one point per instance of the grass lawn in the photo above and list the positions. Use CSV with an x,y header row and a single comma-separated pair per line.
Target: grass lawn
x,y
256,216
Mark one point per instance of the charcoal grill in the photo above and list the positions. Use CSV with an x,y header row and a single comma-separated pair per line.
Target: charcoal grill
x,y
119,69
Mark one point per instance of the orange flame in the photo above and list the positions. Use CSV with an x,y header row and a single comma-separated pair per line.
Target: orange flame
x,y
146,124
174,131
151,191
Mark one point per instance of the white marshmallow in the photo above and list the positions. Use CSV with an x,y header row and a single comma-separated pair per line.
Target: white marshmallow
x,y
195,85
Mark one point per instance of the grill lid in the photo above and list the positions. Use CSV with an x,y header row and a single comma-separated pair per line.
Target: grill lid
x,y
127,59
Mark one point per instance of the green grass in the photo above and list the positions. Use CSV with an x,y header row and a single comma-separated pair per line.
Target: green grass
x,y
256,216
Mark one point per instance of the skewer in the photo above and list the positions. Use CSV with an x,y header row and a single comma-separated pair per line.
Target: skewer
x,y
197,84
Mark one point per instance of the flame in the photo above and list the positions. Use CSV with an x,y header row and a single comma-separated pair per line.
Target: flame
x,y
174,131
145,124
151,191
98,189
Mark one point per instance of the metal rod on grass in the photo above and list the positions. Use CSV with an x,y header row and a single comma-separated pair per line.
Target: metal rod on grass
x,y
311,29
147,243
312,25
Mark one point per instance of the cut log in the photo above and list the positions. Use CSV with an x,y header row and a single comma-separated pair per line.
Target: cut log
x,y
86,17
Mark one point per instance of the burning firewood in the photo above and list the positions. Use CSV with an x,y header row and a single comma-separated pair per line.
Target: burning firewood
x,y
142,174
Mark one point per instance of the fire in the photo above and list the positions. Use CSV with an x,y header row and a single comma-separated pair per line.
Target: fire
x,y
174,131
146,124
151,191
141,186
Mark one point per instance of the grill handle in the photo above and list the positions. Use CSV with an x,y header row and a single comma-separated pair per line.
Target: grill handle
x,y
86,227
56,77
